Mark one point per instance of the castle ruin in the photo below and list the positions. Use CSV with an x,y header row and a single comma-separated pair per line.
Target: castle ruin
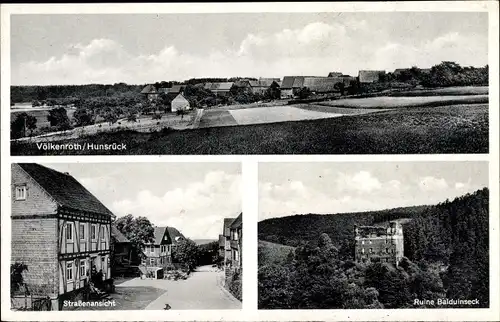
x,y
379,244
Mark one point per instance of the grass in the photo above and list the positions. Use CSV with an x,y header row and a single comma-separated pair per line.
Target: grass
x,y
40,115
447,129
456,90
271,253
128,298
404,102
214,117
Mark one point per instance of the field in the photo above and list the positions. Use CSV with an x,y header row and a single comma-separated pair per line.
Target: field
x,y
456,90
415,130
40,114
402,102
271,253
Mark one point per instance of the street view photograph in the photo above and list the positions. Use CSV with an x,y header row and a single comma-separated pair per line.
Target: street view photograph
x,y
249,83
373,235
126,236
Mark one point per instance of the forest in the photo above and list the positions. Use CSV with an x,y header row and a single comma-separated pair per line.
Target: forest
x,y
446,257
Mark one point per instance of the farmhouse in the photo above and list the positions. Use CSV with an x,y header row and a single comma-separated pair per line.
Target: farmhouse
x,y
261,86
158,254
236,235
180,103
370,76
289,84
383,244
61,232
322,84
150,92
221,89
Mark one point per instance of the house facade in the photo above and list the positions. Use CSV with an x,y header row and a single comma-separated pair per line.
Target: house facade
x,y
236,235
290,84
382,244
60,231
180,103
226,234
150,92
158,253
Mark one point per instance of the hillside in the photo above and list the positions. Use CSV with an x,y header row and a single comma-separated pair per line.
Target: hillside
x,y
272,253
203,241
446,256
300,229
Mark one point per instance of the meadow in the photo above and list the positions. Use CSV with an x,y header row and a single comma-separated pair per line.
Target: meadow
x,y
461,128
272,253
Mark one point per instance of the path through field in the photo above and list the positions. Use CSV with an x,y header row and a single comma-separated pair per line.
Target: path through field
x,y
201,291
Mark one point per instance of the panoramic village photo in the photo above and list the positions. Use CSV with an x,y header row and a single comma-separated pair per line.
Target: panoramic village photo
x,y
249,83
373,235
126,236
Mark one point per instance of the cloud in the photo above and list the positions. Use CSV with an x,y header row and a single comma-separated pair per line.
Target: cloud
x,y
430,183
197,209
362,181
314,49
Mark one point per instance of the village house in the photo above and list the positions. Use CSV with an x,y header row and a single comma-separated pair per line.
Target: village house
x,y
226,234
158,254
236,236
180,103
221,89
382,244
262,85
61,232
334,74
150,92
222,245
322,85
290,84
370,76
121,251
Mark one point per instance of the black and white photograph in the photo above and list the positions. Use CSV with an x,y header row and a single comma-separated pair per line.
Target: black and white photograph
x,y
249,83
373,235
126,236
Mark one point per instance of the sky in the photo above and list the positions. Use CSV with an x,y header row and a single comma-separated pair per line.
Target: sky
x,y
287,189
192,197
145,48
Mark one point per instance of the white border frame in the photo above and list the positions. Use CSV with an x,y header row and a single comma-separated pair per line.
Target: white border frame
x,y
249,311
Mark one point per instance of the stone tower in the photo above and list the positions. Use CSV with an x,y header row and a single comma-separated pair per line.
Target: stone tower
x,y
382,244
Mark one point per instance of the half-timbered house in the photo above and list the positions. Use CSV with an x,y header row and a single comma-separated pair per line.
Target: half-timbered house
x,y
60,231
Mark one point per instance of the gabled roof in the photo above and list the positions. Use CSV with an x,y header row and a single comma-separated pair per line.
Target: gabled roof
x,y
225,86
180,97
149,89
65,189
370,75
237,223
287,82
177,88
118,235
173,235
334,74
321,84
298,82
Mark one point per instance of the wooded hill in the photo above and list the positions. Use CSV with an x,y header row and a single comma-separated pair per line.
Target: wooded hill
x,y
446,256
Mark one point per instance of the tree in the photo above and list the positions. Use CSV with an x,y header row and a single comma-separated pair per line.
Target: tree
x,y
110,116
58,117
83,117
186,252
16,277
138,230
273,92
21,123
340,87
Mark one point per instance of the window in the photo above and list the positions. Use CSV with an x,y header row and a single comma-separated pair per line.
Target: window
x,y
83,268
82,231
21,193
93,231
362,250
69,232
103,228
371,250
387,250
69,271
235,235
362,242
370,242
151,261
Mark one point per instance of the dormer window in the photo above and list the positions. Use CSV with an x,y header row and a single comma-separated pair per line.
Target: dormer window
x,y
21,192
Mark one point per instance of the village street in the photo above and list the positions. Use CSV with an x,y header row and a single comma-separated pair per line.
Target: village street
x,y
202,290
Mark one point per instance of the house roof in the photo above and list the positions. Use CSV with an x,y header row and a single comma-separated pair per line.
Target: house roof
x,y
237,223
65,189
287,82
334,74
270,79
322,84
148,89
118,235
177,88
262,83
175,235
180,97
172,234
370,75
298,82
227,225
